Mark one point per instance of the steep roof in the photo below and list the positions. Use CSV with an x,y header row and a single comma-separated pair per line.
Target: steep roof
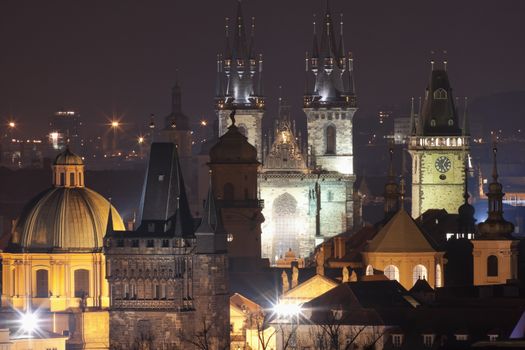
x,y
401,234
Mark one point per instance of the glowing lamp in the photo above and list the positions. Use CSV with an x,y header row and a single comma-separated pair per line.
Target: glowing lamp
x,y
11,124
141,140
115,124
287,310
29,322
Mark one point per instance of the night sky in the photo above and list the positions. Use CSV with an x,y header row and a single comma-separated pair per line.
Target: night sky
x,y
102,57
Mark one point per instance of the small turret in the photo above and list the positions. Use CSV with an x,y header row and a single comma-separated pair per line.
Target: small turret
x,y
495,227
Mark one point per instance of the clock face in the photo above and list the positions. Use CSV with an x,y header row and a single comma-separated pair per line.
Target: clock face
x,y
443,164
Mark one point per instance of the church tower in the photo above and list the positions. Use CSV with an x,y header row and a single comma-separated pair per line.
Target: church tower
x,y
495,252
234,166
329,104
239,83
438,147
177,125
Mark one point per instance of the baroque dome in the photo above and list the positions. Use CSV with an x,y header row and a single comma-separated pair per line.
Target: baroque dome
x,y
64,219
67,217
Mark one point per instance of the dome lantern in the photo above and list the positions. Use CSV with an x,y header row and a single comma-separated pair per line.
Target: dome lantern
x,y
68,170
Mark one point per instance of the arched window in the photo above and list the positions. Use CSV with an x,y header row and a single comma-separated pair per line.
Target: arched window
x,y
419,272
433,122
62,179
71,179
492,266
438,276
81,283
42,283
369,270
80,179
392,272
228,191
330,139
440,94
451,122
286,225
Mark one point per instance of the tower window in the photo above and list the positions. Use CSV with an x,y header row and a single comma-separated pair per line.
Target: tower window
x,y
450,122
433,122
42,284
330,139
440,94
492,266
228,191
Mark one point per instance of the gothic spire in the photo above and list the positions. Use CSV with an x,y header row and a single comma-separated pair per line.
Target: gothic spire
x,y
211,235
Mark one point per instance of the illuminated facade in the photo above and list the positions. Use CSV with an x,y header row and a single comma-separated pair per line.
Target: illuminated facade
x,y
309,193
239,84
54,260
438,147
65,130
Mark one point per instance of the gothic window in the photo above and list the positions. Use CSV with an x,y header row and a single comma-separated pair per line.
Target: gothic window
x,y
492,266
228,191
438,276
392,272
330,196
81,278
330,139
285,225
440,94
419,273
156,291
133,290
369,270
42,283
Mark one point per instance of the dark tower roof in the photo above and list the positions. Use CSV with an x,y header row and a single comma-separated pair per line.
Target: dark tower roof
x,y
495,227
239,73
211,235
233,147
439,115
176,119
164,192
466,220
329,71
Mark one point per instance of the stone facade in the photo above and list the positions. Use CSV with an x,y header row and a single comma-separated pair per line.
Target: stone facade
x,y
504,253
291,207
432,186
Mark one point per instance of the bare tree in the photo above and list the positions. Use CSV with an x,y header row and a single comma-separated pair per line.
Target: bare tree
x,y
259,321
201,338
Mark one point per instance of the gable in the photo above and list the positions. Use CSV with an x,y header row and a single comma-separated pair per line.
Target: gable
x,y
310,289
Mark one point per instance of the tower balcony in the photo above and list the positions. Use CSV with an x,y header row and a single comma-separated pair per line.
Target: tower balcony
x,y
439,142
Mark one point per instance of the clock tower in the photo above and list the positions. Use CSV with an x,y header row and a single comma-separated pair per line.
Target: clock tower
x,y
438,147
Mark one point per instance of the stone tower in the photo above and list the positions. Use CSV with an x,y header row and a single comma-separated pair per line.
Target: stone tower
x,y
168,281
329,104
495,252
438,147
177,125
233,164
239,83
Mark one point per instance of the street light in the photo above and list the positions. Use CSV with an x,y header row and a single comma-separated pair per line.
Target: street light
x,y
115,124
140,140
11,124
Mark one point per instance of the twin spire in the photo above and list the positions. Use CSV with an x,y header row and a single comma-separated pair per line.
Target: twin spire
x,y
239,68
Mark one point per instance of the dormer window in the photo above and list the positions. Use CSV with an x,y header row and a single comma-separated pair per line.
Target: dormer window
x,y
440,94
461,337
397,340
428,340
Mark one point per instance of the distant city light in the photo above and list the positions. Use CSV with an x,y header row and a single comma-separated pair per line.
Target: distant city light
x,y
12,124
204,122
115,124
140,140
